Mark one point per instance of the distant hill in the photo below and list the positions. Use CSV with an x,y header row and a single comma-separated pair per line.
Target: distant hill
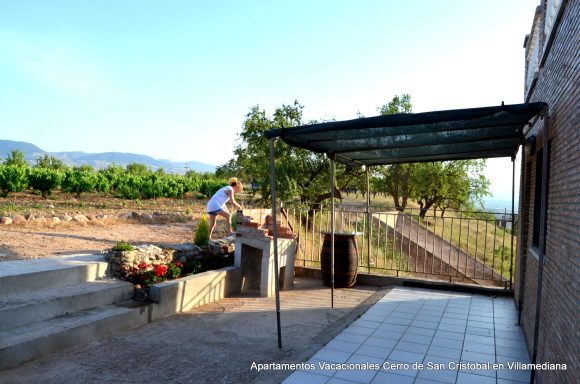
x,y
500,205
101,160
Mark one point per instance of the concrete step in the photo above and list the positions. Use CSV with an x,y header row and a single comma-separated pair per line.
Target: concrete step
x,y
19,309
29,275
32,341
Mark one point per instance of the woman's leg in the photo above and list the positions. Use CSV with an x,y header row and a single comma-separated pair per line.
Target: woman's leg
x,y
226,214
211,222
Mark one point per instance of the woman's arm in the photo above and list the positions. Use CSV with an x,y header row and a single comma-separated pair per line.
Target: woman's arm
x,y
234,202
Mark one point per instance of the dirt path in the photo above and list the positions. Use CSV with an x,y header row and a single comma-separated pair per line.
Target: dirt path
x,y
26,242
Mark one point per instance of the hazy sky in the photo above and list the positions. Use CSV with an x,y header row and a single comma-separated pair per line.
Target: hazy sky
x,y
175,79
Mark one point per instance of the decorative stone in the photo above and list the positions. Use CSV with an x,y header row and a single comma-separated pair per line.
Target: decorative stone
x,y
147,217
220,246
18,219
122,261
66,218
5,220
179,247
80,218
55,220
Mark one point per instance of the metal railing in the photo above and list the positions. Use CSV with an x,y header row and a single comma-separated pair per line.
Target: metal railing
x,y
459,247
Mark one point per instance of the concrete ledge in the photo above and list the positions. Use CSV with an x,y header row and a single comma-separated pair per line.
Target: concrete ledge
x,y
40,339
382,281
28,275
182,294
20,309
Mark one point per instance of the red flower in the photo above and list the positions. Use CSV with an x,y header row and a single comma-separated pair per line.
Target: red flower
x,y
143,265
160,270
178,264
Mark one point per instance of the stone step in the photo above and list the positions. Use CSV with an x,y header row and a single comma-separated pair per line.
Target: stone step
x,y
19,309
29,275
32,341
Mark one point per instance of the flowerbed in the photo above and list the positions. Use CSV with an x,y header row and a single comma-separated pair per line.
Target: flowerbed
x,y
146,265
145,274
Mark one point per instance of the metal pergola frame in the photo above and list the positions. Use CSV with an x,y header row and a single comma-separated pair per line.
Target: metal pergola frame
x,y
443,135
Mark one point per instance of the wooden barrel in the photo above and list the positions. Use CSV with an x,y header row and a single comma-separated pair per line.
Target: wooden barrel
x,y
345,260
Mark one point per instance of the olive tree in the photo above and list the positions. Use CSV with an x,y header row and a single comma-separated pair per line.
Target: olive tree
x,y
300,174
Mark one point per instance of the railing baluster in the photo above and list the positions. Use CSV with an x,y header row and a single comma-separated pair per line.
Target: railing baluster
x,y
319,235
502,254
425,248
485,250
476,243
442,241
459,242
417,225
512,250
450,245
433,248
386,240
378,241
408,263
468,234
494,240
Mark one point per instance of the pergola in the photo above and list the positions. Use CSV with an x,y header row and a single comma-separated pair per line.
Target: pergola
x,y
459,134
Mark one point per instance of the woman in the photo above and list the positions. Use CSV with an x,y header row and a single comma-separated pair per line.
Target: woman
x,y
217,204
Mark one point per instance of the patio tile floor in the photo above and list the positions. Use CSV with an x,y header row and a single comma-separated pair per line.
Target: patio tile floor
x,y
451,334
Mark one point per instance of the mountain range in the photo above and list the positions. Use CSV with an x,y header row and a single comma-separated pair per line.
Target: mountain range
x,y
102,160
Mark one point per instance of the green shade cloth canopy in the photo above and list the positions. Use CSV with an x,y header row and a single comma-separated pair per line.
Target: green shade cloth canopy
x,y
417,137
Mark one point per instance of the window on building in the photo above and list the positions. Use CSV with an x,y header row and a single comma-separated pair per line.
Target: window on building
x,y
538,196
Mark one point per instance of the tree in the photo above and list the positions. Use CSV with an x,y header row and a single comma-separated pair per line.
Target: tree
x,y
399,104
430,185
397,178
397,181
456,184
300,174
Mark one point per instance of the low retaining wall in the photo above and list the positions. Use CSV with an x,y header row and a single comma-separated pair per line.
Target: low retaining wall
x,y
175,296
383,281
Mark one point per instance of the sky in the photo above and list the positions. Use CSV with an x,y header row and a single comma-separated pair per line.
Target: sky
x,y
174,79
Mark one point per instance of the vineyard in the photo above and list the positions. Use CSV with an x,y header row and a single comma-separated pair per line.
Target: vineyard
x,y
132,182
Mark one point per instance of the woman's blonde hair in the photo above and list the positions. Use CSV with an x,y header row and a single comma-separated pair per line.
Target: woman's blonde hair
x,y
234,182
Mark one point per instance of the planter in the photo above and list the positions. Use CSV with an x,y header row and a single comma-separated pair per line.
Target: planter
x,y
179,295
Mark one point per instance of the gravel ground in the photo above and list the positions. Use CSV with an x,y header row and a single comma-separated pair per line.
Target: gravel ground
x,y
30,241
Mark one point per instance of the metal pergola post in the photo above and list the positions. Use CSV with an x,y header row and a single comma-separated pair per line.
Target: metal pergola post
x,y
332,225
513,220
369,221
275,230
